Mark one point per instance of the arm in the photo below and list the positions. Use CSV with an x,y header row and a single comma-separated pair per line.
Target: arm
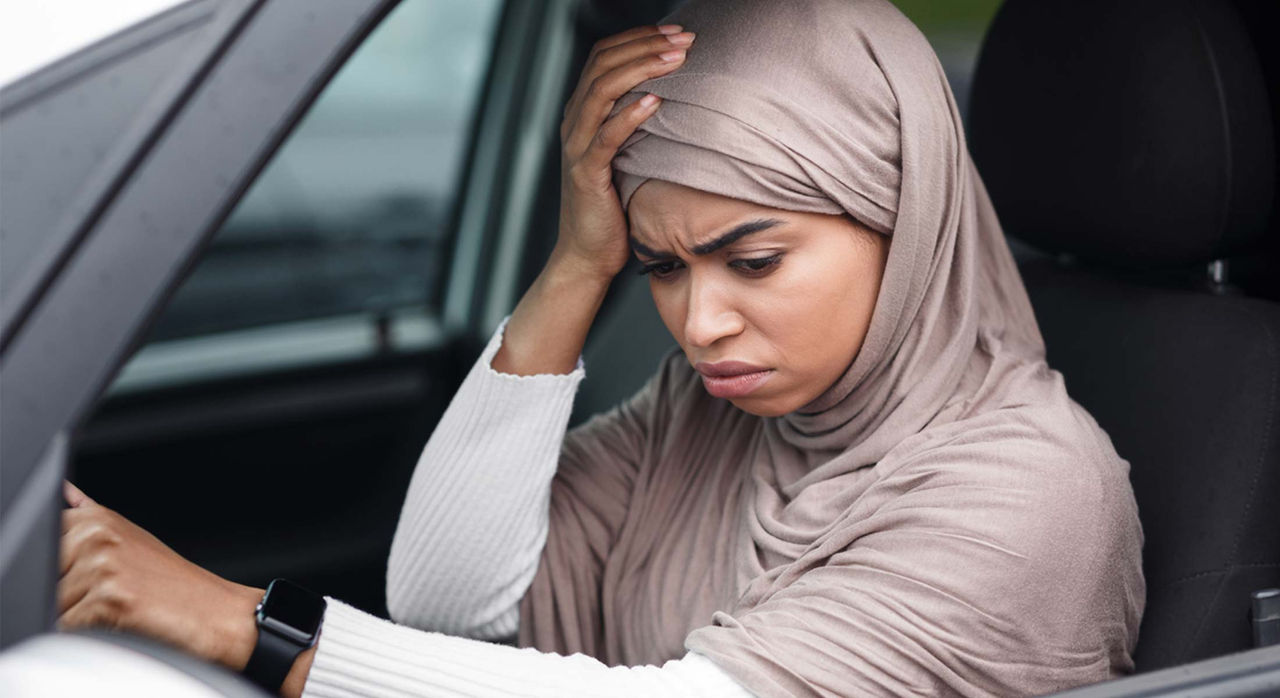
x,y
360,655
475,516
117,575
588,499
549,325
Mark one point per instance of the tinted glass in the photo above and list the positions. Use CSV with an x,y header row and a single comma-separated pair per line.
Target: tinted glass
x,y
352,213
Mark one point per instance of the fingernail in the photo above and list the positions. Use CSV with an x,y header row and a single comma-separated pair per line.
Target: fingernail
x,y
671,56
647,101
683,39
670,28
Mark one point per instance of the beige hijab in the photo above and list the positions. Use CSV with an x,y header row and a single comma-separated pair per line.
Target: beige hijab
x,y
944,519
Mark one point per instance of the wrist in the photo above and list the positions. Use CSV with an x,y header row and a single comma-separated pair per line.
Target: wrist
x,y
236,633
549,325
567,267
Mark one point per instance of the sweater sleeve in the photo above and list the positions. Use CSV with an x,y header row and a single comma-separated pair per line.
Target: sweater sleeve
x,y
360,655
475,517
600,463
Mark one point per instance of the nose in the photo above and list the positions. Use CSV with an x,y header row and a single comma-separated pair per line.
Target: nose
x,y
711,314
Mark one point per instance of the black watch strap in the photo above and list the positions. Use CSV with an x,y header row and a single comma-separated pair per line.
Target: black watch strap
x,y
271,660
288,620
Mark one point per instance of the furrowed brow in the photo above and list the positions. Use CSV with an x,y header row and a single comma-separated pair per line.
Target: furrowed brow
x,y
706,248
645,250
736,234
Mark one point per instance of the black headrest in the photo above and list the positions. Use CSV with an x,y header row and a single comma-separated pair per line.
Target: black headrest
x,y
1133,132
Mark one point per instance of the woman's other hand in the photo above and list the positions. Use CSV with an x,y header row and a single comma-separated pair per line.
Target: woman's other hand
x,y
116,575
593,229
549,325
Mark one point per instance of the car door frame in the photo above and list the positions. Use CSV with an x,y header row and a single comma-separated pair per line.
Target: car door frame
x,y
144,218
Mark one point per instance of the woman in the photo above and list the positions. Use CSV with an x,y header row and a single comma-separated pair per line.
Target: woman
x,y
858,476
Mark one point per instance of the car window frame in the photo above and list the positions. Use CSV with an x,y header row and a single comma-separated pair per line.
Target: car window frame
x,y
211,21
519,106
343,338
83,323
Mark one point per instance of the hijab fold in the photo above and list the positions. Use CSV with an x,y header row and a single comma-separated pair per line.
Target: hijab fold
x,y
943,519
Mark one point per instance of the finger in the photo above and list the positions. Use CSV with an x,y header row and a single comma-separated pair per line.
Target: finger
x,y
612,57
69,543
623,53
616,130
631,35
73,495
87,611
605,91
82,530
73,586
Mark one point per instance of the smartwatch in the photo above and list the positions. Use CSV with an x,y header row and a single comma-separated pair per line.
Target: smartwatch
x,y
288,622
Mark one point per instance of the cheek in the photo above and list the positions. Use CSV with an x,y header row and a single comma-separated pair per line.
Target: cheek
x,y
671,307
819,315
799,305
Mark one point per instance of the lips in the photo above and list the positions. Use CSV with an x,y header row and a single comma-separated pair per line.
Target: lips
x,y
731,379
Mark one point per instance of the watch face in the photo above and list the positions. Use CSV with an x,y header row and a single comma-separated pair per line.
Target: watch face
x,y
289,607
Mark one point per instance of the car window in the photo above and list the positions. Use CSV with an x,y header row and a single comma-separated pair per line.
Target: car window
x,y
347,227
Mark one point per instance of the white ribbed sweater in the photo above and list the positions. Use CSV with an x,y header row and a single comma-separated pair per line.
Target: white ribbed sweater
x,y
465,551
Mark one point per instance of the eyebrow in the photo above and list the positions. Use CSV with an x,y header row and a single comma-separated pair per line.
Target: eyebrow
x,y
705,248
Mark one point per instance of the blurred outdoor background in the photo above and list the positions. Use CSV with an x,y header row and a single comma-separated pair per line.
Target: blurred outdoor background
x,y
353,216
350,215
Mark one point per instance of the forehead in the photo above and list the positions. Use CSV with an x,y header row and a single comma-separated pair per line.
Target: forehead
x,y
659,209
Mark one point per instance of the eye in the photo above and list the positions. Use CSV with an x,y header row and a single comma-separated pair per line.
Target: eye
x,y
661,269
756,266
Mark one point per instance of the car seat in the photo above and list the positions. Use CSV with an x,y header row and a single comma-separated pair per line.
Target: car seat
x,y
1132,144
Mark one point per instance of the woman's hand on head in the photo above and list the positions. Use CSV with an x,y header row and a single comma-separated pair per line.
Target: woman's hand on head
x,y
549,325
593,229
116,575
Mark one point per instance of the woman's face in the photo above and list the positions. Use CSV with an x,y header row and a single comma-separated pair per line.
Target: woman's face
x,y
770,306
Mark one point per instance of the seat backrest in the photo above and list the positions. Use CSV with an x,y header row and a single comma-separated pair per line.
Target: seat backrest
x,y
1133,144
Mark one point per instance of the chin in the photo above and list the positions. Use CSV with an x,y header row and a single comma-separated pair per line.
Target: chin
x,y
762,407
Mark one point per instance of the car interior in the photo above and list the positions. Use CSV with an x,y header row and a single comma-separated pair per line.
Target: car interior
x,y
1136,211
267,421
